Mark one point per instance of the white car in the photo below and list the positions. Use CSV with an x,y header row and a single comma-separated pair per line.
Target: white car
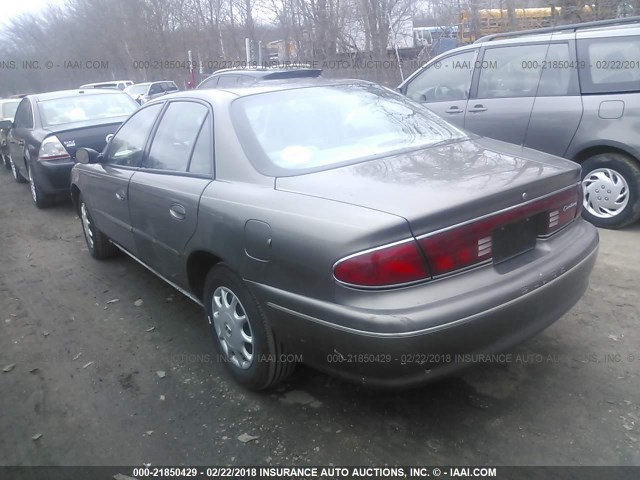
x,y
8,108
143,92
119,84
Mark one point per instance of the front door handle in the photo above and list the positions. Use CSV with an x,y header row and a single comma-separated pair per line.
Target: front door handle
x,y
121,196
178,212
477,108
453,110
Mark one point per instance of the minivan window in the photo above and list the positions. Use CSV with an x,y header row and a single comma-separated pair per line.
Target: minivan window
x,y
127,147
445,80
557,71
315,128
512,71
176,136
610,64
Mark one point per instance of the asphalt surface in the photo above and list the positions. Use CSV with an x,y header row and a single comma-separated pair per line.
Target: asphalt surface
x,y
86,375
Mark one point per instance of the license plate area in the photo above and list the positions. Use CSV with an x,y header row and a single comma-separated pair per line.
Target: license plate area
x,y
514,239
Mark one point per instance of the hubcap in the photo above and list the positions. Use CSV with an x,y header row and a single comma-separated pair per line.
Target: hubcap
x,y
232,327
606,193
86,225
34,192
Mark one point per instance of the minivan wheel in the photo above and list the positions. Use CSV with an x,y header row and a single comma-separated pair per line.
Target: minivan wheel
x,y
241,332
40,199
17,176
611,187
98,243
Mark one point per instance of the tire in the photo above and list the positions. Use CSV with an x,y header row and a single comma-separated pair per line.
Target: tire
x,y
98,243
6,161
231,326
17,176
40,199
611,186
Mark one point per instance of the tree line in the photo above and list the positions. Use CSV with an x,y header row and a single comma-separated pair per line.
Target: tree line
x,y
143,40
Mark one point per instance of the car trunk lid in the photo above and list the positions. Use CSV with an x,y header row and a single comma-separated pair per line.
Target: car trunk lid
x,y
441,186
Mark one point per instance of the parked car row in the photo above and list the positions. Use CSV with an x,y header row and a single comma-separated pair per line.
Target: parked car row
x,y
345,225
337,223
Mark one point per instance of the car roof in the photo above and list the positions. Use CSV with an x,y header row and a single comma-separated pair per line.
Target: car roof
x,y
561,33
273,86
10,100
106,82
74,93
264,71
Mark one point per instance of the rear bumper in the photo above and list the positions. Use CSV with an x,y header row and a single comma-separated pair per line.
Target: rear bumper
x,y
54,178
410,346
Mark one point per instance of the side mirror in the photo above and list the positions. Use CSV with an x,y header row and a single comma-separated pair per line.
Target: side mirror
x,y
87,156
6,124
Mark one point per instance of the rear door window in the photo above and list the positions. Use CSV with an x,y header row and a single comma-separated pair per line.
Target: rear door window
x,y
609,65
514,71
558,73
176,136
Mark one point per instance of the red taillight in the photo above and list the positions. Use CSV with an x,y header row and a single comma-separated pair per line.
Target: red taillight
x,y
472,243
392,265
455,248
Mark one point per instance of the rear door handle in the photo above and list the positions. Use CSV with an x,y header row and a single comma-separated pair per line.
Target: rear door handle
x,y
121,196
453,110
178,212
477,108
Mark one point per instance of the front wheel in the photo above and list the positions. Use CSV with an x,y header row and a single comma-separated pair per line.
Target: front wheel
x,y
611,186
241,332
97,242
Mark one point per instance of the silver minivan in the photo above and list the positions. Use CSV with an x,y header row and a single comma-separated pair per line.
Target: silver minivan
x,y
572,91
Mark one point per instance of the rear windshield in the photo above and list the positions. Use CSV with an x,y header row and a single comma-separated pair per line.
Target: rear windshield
x,y
295,131
9,109
85,107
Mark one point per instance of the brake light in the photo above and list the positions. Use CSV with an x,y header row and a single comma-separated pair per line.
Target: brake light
x,y
52,149
395,264
471,244
455,248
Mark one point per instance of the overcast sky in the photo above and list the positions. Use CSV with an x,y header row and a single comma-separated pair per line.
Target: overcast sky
x,y
11,8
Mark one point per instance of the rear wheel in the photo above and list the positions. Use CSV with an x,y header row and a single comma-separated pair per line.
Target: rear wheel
x,y
241,332
97,242
611,186
40,199
17,176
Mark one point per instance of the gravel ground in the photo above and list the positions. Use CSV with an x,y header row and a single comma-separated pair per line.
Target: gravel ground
x,y
86,375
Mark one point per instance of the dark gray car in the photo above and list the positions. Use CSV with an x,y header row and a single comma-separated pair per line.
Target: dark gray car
x,y
341,225
573,91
